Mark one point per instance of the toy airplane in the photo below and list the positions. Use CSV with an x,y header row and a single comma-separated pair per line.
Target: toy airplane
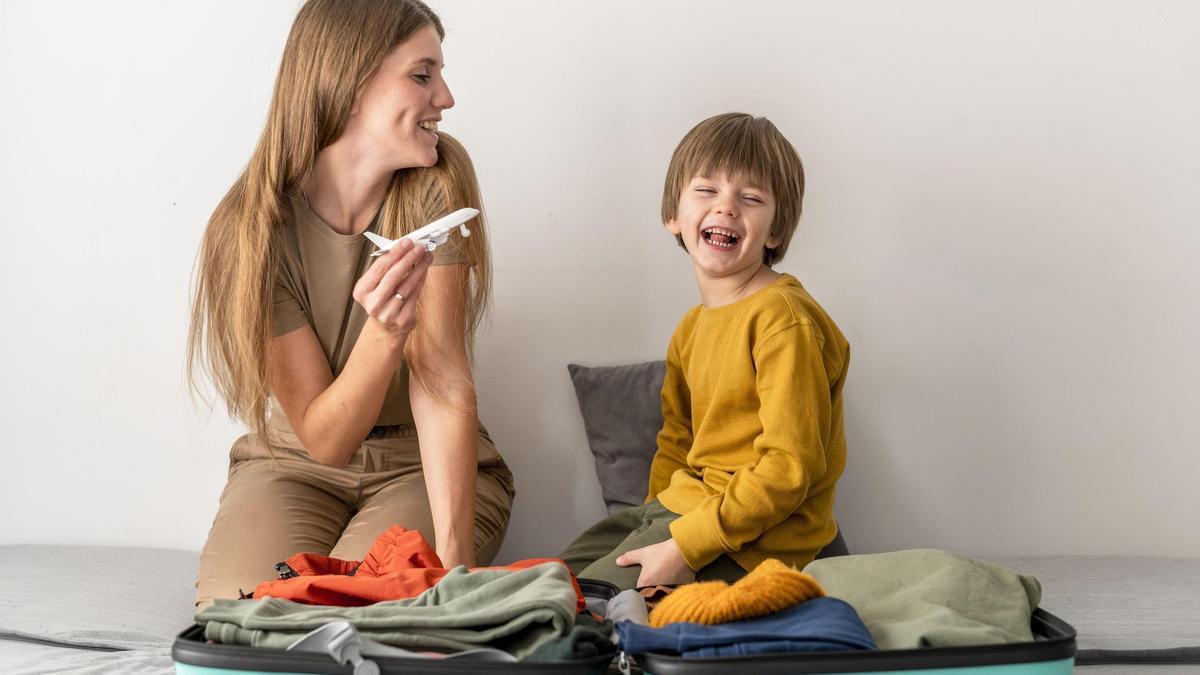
x,y
431,236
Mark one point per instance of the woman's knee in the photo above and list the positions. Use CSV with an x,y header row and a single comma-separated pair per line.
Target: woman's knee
x,y
493,508
263,518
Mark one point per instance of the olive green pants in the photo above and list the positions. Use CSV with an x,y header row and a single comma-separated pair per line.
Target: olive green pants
x,y
278,504
594,554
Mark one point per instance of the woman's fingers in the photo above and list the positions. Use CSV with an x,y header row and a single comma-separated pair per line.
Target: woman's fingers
x,y
392,307
375,298
395,275
407,317
371,278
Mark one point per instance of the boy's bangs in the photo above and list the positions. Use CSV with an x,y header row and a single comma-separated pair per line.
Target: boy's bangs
x,y
738,156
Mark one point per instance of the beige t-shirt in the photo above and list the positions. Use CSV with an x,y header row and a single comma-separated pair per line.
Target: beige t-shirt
x,y
314,284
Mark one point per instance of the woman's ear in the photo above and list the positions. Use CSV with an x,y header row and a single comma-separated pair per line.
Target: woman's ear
x,y
356,106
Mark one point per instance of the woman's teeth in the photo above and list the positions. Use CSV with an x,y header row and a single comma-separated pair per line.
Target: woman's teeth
x,y
430,126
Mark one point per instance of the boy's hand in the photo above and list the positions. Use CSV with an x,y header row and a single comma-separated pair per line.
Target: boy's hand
x,y
661,564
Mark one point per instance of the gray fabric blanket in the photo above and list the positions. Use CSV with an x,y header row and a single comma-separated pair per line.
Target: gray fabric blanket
x,y
931,598
516,611
92,609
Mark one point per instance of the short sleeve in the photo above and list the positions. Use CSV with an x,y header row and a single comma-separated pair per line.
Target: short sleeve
x,y
286,313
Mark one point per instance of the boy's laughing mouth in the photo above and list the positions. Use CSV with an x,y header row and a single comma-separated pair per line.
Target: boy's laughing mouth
x,y
720,237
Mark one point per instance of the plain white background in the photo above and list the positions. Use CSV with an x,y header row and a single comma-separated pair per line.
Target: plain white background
x,y
1001,214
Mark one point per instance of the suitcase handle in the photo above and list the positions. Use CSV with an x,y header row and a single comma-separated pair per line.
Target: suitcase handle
x,y
341,642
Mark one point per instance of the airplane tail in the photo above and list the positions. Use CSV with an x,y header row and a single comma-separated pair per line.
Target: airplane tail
x,y
383,243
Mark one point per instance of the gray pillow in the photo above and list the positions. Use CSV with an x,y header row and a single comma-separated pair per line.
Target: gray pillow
x,y
622,415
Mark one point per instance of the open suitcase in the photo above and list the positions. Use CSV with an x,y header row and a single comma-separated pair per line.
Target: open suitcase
x,y
1051,653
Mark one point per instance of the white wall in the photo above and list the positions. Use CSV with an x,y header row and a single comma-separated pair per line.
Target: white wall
x,y
1001,215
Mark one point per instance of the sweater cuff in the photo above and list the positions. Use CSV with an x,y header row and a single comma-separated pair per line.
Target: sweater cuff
x,y
698,539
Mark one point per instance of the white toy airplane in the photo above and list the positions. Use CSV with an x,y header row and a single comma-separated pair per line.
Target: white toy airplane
x,y
431,236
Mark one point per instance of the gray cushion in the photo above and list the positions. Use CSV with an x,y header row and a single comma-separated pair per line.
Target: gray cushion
x,y
1124,609
96,596
622,415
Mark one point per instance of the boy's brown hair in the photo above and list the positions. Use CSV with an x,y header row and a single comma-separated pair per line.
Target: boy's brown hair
x,y
738,143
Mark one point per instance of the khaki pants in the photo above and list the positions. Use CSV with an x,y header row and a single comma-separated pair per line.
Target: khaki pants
x,y
593,555
273,508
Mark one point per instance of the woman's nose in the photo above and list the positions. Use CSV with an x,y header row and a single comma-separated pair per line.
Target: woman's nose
x,y
443,99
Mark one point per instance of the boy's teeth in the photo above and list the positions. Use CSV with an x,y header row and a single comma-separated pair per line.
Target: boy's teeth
x,y
720,237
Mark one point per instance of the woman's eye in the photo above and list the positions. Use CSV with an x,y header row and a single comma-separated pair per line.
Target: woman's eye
x,y
421,78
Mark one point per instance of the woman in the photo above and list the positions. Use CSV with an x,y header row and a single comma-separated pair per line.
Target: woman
x,y
351,371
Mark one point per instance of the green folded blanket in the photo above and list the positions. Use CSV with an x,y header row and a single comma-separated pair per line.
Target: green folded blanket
x,y
516,611
932,598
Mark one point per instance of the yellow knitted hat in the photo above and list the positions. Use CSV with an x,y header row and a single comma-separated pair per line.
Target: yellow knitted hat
x,y
771,587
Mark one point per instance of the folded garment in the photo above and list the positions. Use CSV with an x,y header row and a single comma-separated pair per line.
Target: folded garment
x,y
627,605
769,588
932,598
341,642
587,639
400,564
821,624
513,610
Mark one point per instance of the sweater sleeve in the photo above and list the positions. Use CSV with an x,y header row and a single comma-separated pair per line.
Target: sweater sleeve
x,y
675,438
795,411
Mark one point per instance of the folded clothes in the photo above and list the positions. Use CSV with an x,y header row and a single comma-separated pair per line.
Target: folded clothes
x,y
514,610
400,564
932,598
340,641
587,639
627,605
821,624
771,587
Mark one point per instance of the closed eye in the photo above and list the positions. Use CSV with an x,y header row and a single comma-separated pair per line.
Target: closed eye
x,y
753,198
423,79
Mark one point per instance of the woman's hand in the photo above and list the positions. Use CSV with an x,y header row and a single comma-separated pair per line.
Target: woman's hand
x,y
389,289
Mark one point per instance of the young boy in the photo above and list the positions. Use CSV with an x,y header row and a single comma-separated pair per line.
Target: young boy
x,y
752,442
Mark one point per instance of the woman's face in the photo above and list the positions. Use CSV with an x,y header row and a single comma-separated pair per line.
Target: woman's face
x,y
394,120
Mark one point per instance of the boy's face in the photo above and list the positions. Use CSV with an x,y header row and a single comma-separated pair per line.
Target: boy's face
x,y
725,223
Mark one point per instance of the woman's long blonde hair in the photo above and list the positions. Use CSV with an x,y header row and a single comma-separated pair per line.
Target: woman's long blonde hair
x,y
334,47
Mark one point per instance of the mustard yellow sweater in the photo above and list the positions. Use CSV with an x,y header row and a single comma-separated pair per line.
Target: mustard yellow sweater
x,y
752,442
